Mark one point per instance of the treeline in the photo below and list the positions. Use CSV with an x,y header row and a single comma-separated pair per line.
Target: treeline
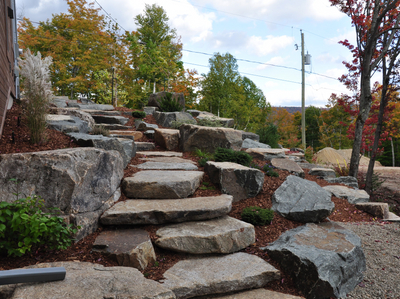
x,y
334,127
94,58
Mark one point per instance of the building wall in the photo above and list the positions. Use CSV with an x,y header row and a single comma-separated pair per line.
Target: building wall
x,y
7,56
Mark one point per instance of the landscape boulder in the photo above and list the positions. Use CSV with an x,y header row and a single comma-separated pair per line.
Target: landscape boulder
x,y
84,116
156,98
149,110
110,119
143,126
345,180
250,143
302,200
250,135
376,209
81,182
167,138
87,280
128,247
125,148
225,122
66,123
234,179
353,196
288,165
165,119
322,172
324,260
209,138
266,153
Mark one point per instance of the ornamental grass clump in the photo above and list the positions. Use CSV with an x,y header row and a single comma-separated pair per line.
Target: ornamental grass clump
x,y
257,215
36,87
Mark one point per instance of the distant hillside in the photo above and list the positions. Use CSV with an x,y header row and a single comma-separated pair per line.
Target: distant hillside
x,y
290,109
295,109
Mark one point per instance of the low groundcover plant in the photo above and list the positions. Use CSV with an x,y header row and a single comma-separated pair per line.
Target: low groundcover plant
x,y
25,227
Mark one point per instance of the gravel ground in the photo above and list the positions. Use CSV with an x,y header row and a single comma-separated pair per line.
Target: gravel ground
x,y
381,244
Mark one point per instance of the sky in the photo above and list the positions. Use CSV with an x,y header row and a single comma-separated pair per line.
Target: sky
x,y
267,32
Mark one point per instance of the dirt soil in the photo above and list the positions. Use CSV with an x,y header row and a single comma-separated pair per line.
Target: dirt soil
x,y
82,250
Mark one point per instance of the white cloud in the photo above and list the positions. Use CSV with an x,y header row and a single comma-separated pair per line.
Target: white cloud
x,y
277,60
271,44
278,11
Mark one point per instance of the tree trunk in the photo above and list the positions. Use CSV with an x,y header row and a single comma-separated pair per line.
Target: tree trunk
x,y
368,180
393,158
364,108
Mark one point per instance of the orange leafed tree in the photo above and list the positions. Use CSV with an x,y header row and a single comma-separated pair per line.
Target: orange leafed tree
x,y
284,120
79,43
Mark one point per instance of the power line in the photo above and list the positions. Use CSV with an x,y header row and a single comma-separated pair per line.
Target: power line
x,y
262,63
256,19
109,15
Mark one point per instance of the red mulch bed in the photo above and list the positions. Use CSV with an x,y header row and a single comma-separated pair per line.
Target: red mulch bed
x,y
81,251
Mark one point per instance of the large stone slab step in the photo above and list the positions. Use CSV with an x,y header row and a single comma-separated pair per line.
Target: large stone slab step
x,y
110,119
115,127
129,247
218,275
160,154
169,184
166,166
144,211
253,294
87,280
221,235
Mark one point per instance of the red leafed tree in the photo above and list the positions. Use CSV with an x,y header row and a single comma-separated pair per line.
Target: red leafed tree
x,y
378,46
350,106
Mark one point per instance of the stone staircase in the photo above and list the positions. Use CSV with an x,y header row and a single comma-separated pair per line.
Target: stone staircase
x,y
192,225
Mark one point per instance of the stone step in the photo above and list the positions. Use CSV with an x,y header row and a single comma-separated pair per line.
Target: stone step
x,y
145,146
89,280
288,165
266,153
253,294
392,218
129,247
134,135
218,275
221,235
153,184
115,127
142,211
353,196
160,154
102,112
168,160
167,166
110,119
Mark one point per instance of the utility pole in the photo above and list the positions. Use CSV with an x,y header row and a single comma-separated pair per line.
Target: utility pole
x,y
303,95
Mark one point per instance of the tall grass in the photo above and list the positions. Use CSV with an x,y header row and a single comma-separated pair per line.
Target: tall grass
x,y
36,87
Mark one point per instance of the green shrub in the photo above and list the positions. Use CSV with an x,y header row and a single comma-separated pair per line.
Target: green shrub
x,y
24,227
175,124
269,135
257,216
100,130
138,114
269,171
229,155
203,162
209,122
168,104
